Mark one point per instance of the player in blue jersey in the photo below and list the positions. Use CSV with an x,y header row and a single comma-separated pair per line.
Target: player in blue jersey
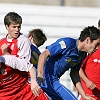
x,y
64,54
37,38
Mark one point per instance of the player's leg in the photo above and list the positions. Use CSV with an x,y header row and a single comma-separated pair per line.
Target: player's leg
x,y
52,93
56,90
49,90
63,91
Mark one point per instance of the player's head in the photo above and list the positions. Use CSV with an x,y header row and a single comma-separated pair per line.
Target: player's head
x,y
12,18
91,32
37,36
90,36
99,24
13,23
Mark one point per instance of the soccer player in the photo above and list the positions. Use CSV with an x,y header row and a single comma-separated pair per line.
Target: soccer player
x,y
13,82
37,38
64,54
90,74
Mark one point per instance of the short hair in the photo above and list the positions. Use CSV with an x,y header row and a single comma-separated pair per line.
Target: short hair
x,y
12,18
38,36
92,32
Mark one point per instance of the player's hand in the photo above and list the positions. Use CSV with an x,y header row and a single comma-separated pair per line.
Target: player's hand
x,y
35,88
40,80
90,85
4,49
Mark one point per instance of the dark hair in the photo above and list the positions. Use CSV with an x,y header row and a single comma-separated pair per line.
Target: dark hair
x,y
38,36
92,32
12,18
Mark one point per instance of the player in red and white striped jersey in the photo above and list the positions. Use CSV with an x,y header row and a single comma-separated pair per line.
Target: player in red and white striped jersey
x,y
13,82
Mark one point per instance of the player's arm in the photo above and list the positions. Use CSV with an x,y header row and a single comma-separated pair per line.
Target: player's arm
x,y
34,85
16,63
41,62
88,82
76,81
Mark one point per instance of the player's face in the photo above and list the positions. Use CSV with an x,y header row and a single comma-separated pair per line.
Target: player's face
x,y
92,46
13,30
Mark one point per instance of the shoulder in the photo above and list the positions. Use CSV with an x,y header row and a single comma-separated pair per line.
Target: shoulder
x,y
34,48
23,38
2,40
67,40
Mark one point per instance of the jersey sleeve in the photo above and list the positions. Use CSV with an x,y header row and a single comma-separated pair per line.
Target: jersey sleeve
x,y
57,47
16,63
24,46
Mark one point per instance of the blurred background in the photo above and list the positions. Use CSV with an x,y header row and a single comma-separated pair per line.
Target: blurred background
x,y
78,3
57,18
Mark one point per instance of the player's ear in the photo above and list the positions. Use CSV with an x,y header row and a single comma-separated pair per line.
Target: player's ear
x,y
6,26
87,40
31,37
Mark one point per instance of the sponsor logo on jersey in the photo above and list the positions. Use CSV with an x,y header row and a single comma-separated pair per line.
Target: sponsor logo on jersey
x,y
97,60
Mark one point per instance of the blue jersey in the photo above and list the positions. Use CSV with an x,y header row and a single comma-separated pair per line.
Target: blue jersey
x,y
35,53
64,54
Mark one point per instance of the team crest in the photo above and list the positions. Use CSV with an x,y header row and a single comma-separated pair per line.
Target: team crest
x,y
62,43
